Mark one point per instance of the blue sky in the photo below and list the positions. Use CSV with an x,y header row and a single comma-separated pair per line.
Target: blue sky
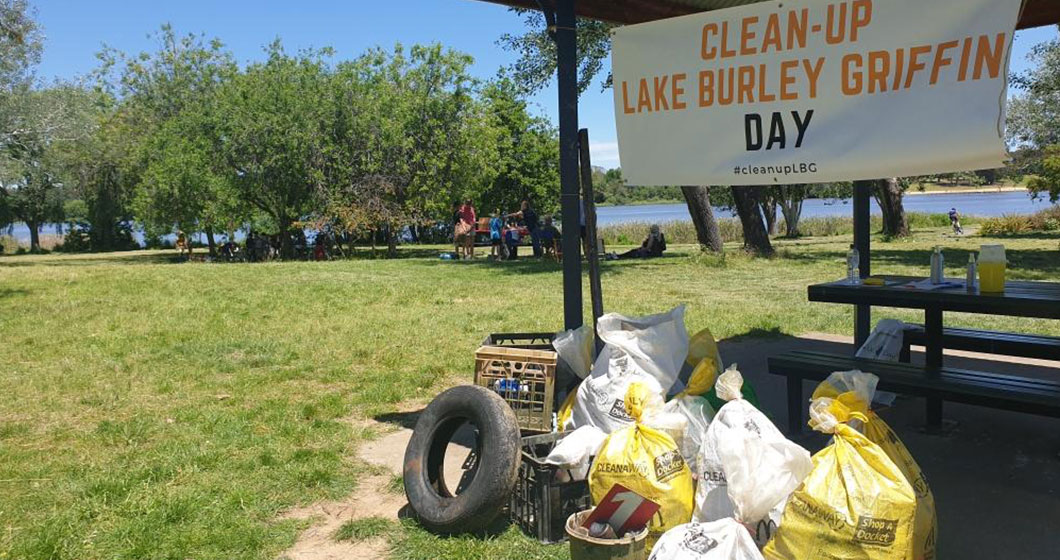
x,y
76,29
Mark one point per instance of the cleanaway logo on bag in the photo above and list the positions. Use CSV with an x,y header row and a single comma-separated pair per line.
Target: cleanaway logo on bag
x,y
618,411
831,518
638,468
713,477
668,465
874,530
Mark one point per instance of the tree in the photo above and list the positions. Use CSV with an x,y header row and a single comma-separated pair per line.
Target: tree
x,y
412,139
536,65
31,168
698,201
748,208
273,132
1033,116
790,199
1047,181
21,43
169,100
768,200
527,160
888,193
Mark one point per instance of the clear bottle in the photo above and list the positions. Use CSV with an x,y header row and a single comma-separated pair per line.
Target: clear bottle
x,y
937,266
969,279
853,265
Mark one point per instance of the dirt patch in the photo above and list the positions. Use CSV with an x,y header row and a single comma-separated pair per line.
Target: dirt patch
x,y
371,499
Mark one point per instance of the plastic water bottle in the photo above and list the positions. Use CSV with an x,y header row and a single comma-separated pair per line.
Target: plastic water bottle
x,y
969,278
853,266
937,266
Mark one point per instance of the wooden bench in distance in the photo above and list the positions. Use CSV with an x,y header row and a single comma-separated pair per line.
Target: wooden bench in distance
x,y
993,390
987,342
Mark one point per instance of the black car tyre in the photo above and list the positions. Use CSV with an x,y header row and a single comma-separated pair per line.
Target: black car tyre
x,y
492,474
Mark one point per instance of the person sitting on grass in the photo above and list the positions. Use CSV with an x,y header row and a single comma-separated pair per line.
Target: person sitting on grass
x,y
653,246
511,240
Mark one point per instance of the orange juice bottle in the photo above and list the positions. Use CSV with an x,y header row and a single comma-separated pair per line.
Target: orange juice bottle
x,y
992,264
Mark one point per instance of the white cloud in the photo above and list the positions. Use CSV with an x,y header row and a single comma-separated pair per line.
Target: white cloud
x,y
604,154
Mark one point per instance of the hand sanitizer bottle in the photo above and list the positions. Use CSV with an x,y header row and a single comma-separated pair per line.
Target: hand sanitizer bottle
x,y
853,266
969,279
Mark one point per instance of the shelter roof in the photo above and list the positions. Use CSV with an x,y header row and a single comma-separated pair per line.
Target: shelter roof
x,y
1035,14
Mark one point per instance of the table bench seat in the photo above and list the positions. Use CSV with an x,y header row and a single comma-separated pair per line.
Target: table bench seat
x,y
987,342
1008,392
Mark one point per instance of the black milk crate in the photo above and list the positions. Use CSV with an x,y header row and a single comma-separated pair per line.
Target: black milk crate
x,y
528,341
540,505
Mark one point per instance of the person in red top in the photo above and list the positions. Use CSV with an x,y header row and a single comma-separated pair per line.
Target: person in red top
x,y
467,227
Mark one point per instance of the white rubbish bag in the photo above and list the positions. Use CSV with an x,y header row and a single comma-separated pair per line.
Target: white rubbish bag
x,y
724,539
601,398
575,349
747,468
698,414
575,451
656,345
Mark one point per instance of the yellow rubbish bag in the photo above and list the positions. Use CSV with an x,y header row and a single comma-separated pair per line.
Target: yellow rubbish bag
x,y
855,503
856,389
566,410
648,462
705,361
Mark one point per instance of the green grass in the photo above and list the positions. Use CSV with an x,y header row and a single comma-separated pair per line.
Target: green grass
x,y
364,529
158,410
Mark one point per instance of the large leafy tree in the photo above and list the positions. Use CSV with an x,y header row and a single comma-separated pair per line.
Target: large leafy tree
x,y
1034,120
411,139
31,162
527,160
169,101
274,134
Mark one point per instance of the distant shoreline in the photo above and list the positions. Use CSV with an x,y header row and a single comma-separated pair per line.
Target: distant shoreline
x,y
968,190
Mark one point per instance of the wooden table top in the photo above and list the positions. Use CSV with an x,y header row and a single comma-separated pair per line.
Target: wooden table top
x,y
1020,299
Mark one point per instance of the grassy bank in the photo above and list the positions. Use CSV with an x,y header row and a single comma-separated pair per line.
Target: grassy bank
x,y
731,232
159,410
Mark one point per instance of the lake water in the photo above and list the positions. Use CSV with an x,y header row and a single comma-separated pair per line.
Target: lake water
x,y
972,204
969,204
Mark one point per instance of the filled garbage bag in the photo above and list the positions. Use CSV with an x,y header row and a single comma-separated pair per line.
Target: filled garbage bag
x,y
656,345
746,467
575,451
698,414
855,503
601,398
575,350
703,363
648,462
725,539
855,389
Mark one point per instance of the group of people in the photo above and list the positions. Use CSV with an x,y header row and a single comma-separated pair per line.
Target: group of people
x,y
259,247
506,234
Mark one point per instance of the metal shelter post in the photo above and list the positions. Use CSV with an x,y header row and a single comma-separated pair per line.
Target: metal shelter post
x,y
862,313
567,73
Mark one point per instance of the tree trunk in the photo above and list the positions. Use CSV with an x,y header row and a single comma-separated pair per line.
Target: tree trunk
x,y
286,247
769,210
755,236
34,236
211,242
391,242
698,200
889,196
791,208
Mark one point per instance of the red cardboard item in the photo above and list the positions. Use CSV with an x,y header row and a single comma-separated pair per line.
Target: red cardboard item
x,y
624,510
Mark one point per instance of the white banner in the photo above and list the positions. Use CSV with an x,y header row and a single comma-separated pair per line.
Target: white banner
x,y
811,91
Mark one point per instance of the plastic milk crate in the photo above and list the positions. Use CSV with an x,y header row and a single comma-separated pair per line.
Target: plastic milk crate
x,y
541,503
521,368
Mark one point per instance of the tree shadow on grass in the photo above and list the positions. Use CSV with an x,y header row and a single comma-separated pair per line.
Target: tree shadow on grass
x,y
93,259
10,292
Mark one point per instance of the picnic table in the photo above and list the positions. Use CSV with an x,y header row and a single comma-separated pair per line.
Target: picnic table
x,y
934,380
